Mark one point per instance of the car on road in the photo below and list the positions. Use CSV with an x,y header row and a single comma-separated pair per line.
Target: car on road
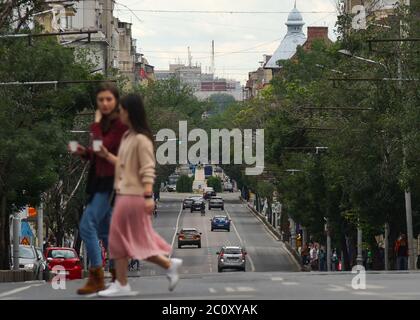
x,y
189,236
198,205
231,257
216,202
209,194
171,188
220,223
187,202
28,260
228,187
67,258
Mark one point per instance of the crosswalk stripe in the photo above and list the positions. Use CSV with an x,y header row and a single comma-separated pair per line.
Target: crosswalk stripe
x,y
229,289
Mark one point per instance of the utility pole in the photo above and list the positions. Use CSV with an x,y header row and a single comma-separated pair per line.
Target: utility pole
x,y
386,246
292,233
16,233
327,230
40,225
407,193
359,259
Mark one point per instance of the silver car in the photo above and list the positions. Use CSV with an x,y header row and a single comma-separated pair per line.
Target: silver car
x,y
231,257
216,202
29,260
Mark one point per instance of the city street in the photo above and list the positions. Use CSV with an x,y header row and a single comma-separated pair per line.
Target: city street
x,y
271,271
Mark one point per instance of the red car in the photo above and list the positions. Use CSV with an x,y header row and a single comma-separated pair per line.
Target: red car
x,y
66,257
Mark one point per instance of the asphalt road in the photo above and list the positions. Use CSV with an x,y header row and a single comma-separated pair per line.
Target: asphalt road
x,y
271,270
265,252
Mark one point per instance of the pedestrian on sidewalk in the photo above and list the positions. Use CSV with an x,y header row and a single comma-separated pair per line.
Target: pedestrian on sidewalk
x,y
401,251
131,232
94,224
322,259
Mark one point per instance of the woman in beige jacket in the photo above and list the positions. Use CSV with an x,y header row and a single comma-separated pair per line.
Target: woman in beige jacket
x,y
131,232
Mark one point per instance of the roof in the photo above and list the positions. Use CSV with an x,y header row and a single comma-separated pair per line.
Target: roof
x,y
294,38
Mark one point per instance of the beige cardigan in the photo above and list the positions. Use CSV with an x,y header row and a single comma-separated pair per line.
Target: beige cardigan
x,y
135,165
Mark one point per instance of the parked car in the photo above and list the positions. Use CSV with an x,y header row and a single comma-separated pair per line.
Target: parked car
x,y
220,222
232,257
43,271
189,236
198,205
66,257
216,202
171,187
28,259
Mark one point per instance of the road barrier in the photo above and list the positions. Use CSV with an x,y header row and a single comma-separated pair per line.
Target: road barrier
x,y
16,275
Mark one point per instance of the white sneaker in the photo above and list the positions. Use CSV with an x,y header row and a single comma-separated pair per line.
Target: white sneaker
x,y
117,290
172,273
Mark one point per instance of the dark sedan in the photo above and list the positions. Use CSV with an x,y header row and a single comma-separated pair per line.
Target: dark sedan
x,y
198,205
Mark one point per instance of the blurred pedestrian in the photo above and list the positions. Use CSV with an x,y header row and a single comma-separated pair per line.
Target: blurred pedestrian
x,y
94,225
131,233
334,260
322,259
401,251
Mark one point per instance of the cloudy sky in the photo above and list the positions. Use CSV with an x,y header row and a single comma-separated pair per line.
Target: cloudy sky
x,y
164,37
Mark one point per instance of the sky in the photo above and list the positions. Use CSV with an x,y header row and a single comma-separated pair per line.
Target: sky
x,y
164,37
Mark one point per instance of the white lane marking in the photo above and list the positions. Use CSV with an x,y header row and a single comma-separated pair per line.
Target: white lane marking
x,y
291,283
276,279
336,288
229,289
176,229
212,290
240,239
8,293
245,289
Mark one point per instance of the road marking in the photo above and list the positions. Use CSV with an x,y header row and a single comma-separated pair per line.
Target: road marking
x,y
229,289
212,290
276,279
8,293
240,240
336,288
245,289
291,283
176,230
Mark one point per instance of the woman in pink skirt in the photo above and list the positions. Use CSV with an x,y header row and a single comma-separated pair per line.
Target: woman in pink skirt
x,y
131,232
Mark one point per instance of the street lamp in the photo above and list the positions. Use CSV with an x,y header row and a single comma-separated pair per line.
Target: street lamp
x,y
351,55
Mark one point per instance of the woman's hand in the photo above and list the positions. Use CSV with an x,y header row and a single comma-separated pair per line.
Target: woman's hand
x,y
149,206
103,152
80,151
98,116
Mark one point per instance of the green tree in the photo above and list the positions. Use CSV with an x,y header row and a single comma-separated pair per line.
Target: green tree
x,y
184,184
215,183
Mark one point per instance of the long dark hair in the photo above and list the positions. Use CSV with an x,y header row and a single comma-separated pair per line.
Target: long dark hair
x,y
133,104
106,120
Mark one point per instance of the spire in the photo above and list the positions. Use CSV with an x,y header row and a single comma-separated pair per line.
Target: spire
x,y
295,4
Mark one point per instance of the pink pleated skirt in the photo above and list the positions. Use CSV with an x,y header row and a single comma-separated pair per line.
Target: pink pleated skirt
x,y
131,233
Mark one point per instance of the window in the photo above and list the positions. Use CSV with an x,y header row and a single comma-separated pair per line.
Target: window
x,y
26,253
64,254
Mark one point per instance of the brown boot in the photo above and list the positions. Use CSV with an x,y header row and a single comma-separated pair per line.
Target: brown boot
x,y
95,282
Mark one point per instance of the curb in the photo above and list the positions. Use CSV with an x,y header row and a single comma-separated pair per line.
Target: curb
x,y
16,276
292,253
